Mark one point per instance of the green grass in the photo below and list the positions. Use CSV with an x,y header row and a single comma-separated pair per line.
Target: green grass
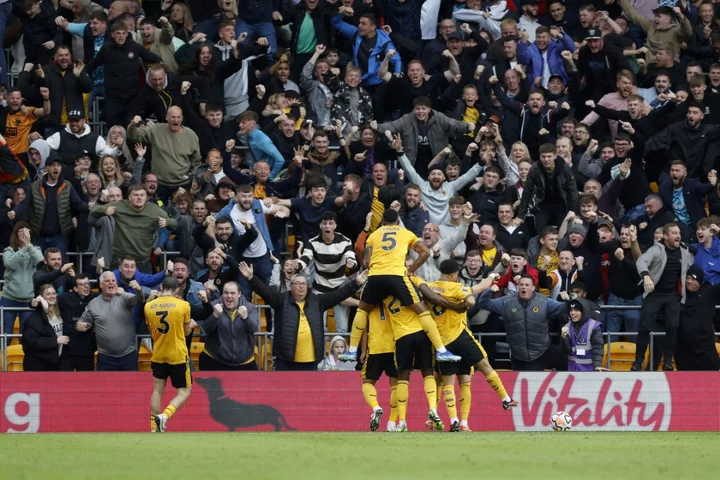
x,y
319,456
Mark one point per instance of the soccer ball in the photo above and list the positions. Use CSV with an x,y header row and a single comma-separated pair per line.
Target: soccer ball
x,y
561,421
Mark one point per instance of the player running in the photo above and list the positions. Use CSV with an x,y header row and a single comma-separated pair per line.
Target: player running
x,y
385,254
168,319
455,334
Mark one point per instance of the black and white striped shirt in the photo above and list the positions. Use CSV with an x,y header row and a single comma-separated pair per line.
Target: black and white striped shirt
x,y
329,261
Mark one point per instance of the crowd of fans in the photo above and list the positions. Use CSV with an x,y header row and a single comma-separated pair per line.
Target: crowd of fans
x,y
584,134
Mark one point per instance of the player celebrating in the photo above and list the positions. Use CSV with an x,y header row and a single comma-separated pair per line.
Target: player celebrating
x,y
386,250
168,319
397,347
455,334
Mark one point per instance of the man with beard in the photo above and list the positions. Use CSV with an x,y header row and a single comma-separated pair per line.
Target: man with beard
x,y
484,241
696,348
54,272
424,133
413,216
176,151
218,233
321,161
558,281
664,62
247,210
192,292
286,139
536,119
440,250
599,64
164,89
553,185
623,280
184,232
646,124
19,119
118,62
689,139
661,85
260,178
510,235
546,60
656,216
663,268
78,136
221,268
686,196
529,19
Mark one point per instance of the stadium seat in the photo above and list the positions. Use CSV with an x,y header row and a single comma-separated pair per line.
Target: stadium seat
x,y
15,357
196,349
622,356
16,331
144,356
331,327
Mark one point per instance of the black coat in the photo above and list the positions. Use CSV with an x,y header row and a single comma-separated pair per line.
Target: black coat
x,y
287,316
695,337
71,309
151,104
122,70
39,340
68,89
61,281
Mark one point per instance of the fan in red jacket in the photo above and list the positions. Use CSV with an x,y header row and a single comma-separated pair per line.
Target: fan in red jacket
x,y
518,266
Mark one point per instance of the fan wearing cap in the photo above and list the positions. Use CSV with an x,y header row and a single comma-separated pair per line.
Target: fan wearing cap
x,y
581,339
599,63
53,206
77,135
695,348
662,29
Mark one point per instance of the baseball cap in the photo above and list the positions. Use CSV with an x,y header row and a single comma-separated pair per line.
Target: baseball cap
x,y
604,222
76,114
456,36
593,34
696,272
53,158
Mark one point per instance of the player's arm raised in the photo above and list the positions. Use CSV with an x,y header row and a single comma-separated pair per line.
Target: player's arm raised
x,y
423,254
437,299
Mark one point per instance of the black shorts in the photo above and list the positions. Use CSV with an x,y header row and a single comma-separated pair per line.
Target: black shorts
x,y
378,363
379,287
469,349
179,374
413,351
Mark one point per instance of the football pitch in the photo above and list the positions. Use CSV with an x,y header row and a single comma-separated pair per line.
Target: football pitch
x,y
366,456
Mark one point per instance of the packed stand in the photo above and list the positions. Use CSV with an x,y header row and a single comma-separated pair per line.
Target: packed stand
x,y
566,150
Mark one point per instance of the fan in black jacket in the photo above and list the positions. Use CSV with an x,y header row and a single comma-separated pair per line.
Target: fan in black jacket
x,y
695,348
79,353
122,78
40,342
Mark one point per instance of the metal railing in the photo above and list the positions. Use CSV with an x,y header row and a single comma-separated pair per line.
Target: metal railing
x,y
264,340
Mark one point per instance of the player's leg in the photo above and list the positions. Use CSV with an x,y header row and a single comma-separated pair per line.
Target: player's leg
x,y
370,374
433,422
156,401
493,379
369,297
182,381
465,401
404,364
448,391
392,421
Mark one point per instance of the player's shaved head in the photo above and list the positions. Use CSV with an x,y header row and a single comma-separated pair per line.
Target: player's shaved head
x,y
390,217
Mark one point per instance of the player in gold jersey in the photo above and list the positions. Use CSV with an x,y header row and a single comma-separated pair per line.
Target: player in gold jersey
x,y
169,322
455,334
385,254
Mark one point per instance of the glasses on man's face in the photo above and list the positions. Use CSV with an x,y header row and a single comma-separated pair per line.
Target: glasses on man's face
x,y
304,284
431,230
82,285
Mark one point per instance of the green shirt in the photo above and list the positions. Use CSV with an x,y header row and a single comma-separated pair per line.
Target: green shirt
x,y
134,231
306,36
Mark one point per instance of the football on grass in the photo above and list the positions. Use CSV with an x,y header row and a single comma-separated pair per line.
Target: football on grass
x,y
561,421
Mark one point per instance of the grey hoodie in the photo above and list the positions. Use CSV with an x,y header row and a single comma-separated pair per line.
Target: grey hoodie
x,y
653,261
44,150
329,363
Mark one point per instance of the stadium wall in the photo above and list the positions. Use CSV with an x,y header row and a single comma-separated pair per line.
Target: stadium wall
x,y
260,401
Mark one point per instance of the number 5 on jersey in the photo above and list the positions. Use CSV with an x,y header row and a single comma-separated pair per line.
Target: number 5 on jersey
x,y
389,239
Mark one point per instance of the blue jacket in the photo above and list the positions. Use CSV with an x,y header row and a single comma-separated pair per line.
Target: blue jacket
x,y
261,147
709,260
555,60
383,44
192,295
260,222
694,193
146,281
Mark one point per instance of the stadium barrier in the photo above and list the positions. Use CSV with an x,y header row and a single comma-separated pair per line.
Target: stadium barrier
x,y
324,401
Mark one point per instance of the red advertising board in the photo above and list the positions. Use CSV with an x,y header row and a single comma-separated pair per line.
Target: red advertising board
x,y
267,401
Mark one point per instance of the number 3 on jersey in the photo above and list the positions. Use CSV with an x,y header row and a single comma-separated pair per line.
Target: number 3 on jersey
x,y
389,238
164,325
